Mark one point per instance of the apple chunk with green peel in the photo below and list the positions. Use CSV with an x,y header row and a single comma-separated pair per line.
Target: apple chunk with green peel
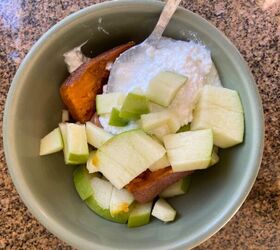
x,y
220,109
178,188
120,203
152,121
164,86
221,97
227,126
96,136
100,200
51,143
62,127
127,155
163,211
75,148
106,102
116,120
82,182
134,106
77,142
189,150
140,214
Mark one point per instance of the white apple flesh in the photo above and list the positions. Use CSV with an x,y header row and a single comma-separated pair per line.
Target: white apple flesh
x,y
189,150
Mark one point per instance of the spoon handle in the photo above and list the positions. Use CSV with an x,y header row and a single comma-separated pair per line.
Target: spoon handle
x,y
165,16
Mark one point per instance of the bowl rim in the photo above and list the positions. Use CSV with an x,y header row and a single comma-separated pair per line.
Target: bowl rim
x,y
14,166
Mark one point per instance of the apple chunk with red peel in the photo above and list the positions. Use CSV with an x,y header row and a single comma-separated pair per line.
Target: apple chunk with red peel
x,y
125,156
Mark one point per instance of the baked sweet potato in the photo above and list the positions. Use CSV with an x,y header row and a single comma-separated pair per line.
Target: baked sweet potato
x,y
79,90
149,184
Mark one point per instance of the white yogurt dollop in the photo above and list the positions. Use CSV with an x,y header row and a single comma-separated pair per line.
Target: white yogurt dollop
x,y
191,59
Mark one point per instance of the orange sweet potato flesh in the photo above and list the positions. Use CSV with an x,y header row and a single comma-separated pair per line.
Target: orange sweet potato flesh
x,y
149,184
79,90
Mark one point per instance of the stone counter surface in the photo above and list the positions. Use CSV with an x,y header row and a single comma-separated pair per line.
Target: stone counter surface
x,y
254,28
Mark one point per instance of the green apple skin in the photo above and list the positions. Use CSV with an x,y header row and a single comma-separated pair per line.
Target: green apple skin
x,y
105,213
77,146
100,200
134,106
62,127
120,204
116,120
140,215
82,182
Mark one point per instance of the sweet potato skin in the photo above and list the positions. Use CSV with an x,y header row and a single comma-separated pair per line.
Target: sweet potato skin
x,y
149,184
79,90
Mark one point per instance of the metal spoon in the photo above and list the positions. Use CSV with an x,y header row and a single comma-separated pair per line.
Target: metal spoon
x,y
151,41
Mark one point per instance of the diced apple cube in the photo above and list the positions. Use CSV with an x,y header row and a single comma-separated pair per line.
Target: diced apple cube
x,y
164,86
62,127
127,155
161,163
51,143
221,97
134,106
163,211
77,146
227,126
120,202
178,188
116,120
154,120
140,214
106,102
96,136
189,150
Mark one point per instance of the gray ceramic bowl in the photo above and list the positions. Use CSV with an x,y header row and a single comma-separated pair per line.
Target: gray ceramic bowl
x,y
45,184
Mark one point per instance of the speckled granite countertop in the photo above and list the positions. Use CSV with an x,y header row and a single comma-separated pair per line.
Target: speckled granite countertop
x,y
252,25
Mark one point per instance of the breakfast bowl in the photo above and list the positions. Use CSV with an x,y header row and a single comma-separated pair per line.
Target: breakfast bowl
x,y
33,108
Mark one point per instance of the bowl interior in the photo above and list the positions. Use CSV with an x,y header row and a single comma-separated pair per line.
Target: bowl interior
x,y
34,108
